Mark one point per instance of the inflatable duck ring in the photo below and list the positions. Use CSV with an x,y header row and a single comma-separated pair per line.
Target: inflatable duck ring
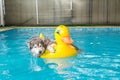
x,y
64,47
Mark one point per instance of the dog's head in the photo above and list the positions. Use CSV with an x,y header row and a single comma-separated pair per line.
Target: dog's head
x,y
36,46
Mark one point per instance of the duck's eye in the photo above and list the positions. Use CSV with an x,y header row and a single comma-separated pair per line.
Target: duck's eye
x,y
58,32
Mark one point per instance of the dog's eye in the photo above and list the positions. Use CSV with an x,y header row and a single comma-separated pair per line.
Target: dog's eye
x,y
35,47
40,45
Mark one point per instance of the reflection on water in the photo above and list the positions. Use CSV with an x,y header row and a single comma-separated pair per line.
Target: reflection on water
x,y
60,64
3,44
34,65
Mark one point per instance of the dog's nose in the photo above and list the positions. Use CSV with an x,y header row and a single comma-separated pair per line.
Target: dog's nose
x,y
40,52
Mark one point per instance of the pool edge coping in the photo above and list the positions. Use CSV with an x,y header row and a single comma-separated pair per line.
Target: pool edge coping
x,y
6,29
70,27
17,27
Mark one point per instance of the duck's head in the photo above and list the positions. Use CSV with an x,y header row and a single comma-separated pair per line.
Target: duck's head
x,y
62,35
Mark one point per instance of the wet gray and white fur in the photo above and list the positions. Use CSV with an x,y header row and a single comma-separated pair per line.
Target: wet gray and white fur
x,y
38,46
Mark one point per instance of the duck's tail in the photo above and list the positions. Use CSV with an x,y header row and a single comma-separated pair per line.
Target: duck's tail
x,y
78,49
42,36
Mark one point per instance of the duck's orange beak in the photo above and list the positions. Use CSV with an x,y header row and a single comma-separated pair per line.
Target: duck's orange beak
x,y
67,40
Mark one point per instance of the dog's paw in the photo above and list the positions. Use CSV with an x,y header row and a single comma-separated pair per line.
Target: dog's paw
x,y
51,49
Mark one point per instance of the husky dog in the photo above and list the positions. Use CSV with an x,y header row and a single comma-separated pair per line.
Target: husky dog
x,y
38,46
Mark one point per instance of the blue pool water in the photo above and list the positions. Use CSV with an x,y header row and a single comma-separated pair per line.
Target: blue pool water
x,y
100,59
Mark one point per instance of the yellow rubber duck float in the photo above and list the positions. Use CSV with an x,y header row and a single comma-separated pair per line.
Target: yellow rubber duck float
x,y
63,47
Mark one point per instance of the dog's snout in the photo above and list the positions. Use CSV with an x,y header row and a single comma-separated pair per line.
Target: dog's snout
x,y
40,52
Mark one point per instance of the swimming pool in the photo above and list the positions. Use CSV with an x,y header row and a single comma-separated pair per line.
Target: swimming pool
x,y
100,59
